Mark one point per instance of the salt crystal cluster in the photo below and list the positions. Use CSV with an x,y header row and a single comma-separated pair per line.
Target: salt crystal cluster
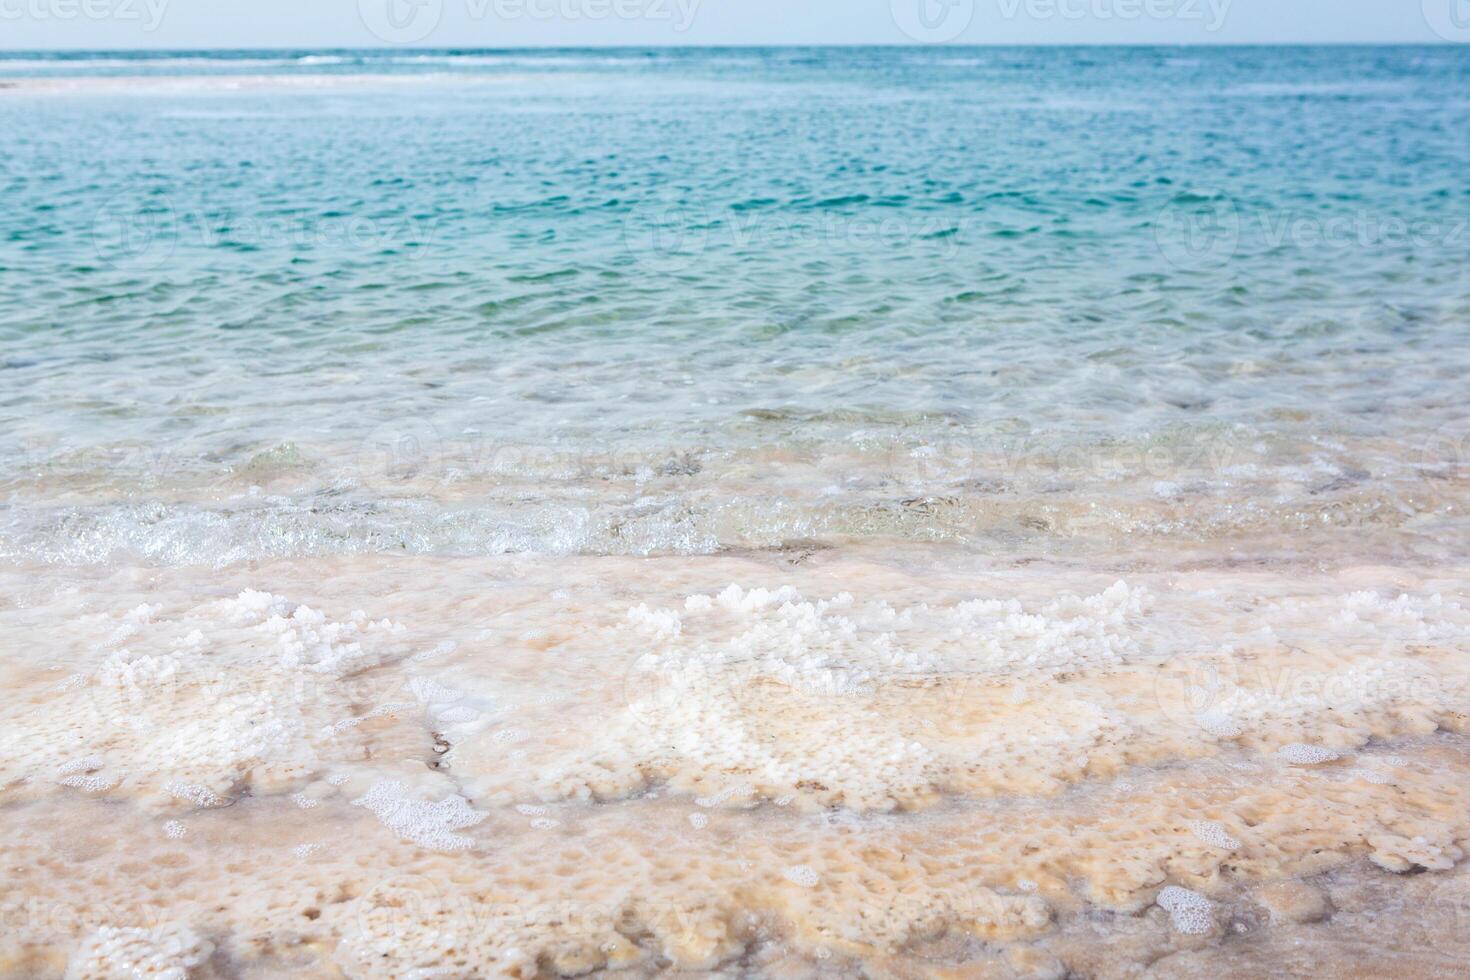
x,y
309,641
197,701
831,697
1423,619
835,646
168,952
251,606
833,708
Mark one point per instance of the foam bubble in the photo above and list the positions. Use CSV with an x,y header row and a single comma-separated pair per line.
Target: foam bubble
x,y
429,825
1299,754
1191,913
1373,776
802,875
1218,723
1213,834
200,796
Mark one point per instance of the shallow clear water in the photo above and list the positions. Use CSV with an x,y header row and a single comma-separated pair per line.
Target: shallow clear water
x,y
385,429
465,264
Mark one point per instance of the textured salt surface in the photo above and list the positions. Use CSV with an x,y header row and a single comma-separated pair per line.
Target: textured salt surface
x,y
164,953
852,764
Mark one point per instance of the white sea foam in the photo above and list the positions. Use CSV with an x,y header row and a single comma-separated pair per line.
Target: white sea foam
x,y
1306,755
801,875
1191,913
429,825
1213,834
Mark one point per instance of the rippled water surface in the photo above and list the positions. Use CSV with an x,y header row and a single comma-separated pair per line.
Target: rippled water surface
x,y
784,512
361,266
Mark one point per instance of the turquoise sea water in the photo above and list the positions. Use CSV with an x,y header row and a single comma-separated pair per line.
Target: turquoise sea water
x,y
576,273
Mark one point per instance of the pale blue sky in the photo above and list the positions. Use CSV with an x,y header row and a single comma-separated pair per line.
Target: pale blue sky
x,y
37,24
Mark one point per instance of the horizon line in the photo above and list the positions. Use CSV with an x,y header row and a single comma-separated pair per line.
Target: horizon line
x,y
1435,43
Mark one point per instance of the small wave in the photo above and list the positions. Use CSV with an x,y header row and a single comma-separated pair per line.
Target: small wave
x,y
986,515
1298,89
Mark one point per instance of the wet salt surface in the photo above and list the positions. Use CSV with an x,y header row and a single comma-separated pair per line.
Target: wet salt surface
x,y
604,762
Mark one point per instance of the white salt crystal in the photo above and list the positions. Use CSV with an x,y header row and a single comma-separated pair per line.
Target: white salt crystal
x,y
801,875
